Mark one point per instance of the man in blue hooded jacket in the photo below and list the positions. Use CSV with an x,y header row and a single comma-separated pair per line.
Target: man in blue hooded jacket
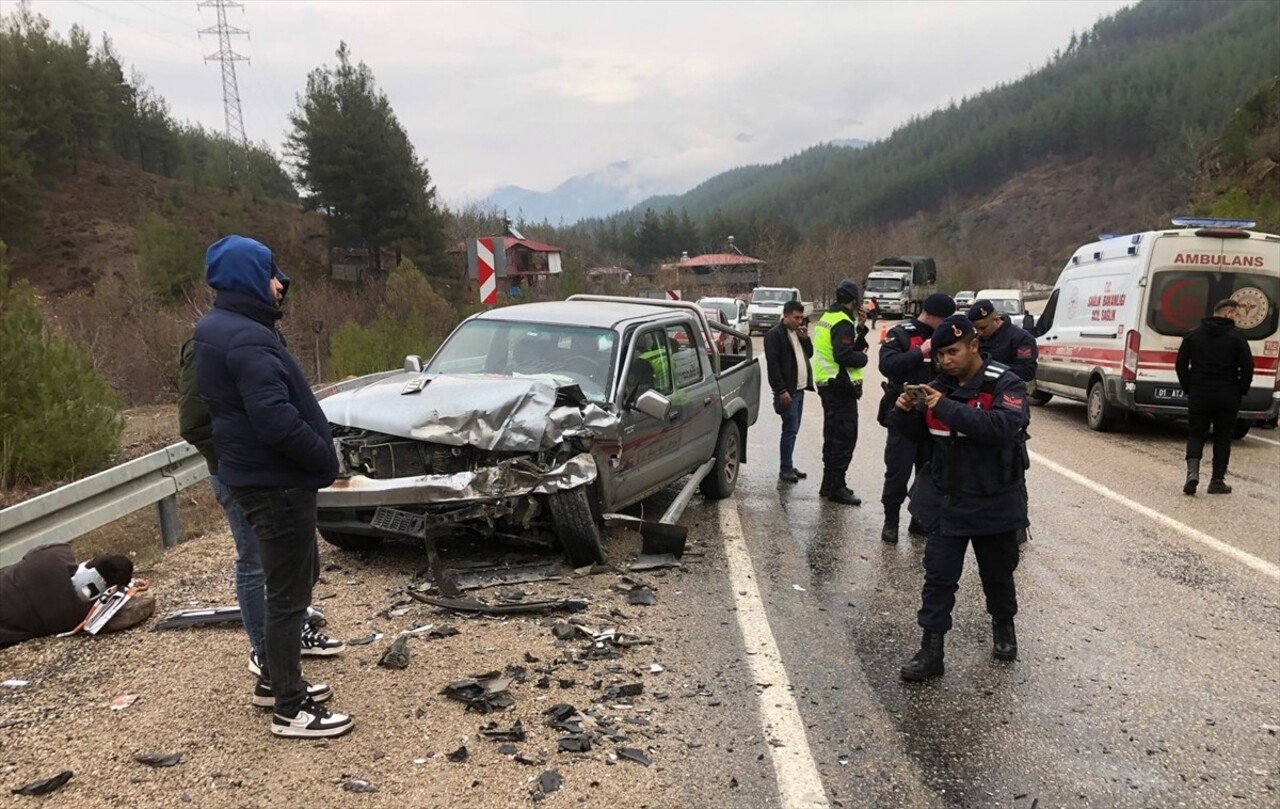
x,y
275,451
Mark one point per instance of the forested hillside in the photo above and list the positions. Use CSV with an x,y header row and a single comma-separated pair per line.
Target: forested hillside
x,y
1124,109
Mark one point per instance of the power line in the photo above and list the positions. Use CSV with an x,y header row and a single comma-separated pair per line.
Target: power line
x,y
228,58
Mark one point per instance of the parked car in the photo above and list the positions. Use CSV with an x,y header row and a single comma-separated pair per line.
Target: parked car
x,y
724,343
734,310
537,419
964,299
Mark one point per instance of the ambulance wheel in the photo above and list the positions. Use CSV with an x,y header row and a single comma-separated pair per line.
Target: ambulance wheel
x,y
1241,430
1099,413
1039,397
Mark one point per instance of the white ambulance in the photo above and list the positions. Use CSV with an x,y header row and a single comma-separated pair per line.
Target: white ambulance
x,y
1111,329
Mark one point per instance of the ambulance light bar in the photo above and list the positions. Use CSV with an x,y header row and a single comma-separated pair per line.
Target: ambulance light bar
x,y
1194,222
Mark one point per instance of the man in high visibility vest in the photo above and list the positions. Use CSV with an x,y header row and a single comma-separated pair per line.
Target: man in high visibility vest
x,y
839,355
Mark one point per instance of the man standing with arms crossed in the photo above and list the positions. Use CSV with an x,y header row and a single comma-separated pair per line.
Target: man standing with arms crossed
x,y
275,451
1215,369
787,349
975,415
839,355
906,359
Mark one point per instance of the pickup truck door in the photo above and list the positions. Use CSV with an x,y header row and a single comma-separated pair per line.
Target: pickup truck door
x,y
695,402
649,448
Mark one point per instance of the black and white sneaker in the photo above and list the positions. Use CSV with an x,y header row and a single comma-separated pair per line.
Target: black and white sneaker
x,y
255,665
312,721
263,698
317,644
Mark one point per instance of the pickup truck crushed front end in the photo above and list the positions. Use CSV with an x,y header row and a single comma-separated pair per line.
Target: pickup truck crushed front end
x,y
474,446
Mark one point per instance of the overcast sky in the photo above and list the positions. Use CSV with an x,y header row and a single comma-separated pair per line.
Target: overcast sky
x,y
532,93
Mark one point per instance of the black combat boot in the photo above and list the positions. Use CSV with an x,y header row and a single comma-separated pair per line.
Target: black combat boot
x,y
1193,476
845,496
915,529
1218,486
928,661
1004,644
889,533
827,483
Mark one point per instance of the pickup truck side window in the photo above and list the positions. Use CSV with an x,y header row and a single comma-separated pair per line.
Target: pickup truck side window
x,y
650,365
686,356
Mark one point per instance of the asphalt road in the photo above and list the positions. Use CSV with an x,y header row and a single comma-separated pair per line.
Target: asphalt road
x,y
1149,635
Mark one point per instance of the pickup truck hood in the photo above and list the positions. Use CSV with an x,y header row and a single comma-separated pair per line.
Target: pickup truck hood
x,y
496,413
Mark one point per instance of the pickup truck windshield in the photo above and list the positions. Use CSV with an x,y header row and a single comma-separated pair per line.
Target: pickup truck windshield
x,y
884,285
771,295
576,354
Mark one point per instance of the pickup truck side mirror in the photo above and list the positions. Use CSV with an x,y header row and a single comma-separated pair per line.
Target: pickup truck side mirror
x,y
653,404
413,364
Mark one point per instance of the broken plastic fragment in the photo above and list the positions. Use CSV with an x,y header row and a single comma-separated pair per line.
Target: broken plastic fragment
x,y
15,683
397,655
633,754
515,733
358,785
123,701
641,595
46,786
550,781
575,743
366,640
158,759
459,755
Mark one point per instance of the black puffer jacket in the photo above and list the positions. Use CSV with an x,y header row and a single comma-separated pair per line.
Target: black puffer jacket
x,y
1214,359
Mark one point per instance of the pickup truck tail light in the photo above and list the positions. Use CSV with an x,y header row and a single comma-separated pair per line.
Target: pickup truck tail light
x,y
1129,367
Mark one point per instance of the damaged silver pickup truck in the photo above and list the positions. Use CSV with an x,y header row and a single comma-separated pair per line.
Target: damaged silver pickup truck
x,y
538,419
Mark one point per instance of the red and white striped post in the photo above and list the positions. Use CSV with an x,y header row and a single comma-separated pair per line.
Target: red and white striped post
x,y
485,273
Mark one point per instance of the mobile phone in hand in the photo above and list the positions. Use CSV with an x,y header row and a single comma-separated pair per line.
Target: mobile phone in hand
x,y
915,393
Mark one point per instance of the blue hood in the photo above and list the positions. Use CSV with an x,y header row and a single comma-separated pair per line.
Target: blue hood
x,y
244,265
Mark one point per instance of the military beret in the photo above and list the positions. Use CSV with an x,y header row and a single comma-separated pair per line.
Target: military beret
x,y
939,304
952,330
981,310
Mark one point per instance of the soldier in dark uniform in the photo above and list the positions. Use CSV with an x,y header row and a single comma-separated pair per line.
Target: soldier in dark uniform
x,y
1004,342
906,359
1009,345
975,416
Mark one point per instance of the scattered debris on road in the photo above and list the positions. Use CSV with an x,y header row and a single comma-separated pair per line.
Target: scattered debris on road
x,y
473,605
158,759
358,785
123,701
397,656
46,786
482,694
633,754
492,732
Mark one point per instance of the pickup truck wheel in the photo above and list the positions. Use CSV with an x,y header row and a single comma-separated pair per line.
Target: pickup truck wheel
x,y
576,526
723,477
1099,413
350,542
1241,430
1039,397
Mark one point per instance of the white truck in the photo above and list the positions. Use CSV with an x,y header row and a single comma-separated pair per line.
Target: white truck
x,y
765,309
900,284
1011,303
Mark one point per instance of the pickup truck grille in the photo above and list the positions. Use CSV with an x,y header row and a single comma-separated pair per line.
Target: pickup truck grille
x,y
383,456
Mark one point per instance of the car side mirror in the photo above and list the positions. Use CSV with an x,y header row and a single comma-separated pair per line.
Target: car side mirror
x,y
652,404
1028,322
413,364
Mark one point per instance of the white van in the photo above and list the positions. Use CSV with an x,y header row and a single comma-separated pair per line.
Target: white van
x,y
1110,331
1008,302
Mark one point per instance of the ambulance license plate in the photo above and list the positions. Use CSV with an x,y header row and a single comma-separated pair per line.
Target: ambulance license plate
x,y
1171,394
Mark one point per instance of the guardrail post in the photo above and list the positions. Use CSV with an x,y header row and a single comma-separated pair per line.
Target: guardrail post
x,y
170,531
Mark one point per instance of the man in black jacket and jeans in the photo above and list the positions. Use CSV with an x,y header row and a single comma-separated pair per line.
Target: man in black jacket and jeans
x,y
275,451
1215,369
787,349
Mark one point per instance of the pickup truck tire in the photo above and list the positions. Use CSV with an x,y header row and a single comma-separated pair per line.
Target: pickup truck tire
x,y
350,542
576,526
1099,414
1241,429
723,477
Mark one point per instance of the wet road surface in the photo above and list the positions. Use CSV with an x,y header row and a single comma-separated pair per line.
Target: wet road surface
x,y
1149,661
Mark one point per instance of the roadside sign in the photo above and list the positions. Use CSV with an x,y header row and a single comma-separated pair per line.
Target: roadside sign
x,y
673,294
487,264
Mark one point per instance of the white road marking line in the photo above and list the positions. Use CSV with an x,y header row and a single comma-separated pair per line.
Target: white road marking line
x,y
1270,441
1248,559
799,785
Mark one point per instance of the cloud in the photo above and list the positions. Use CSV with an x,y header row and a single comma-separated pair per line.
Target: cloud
x,y
532,93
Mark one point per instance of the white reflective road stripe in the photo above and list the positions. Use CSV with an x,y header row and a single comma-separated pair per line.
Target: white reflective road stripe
x,y
1264,567
799,785
1264,440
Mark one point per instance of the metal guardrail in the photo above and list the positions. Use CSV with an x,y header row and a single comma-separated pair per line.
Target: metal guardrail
x,y
77,508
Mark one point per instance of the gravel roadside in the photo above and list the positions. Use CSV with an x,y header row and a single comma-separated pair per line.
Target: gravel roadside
x,y
193,697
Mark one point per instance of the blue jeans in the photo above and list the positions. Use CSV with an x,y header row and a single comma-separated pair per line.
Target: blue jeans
x,y
251,593
790,428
